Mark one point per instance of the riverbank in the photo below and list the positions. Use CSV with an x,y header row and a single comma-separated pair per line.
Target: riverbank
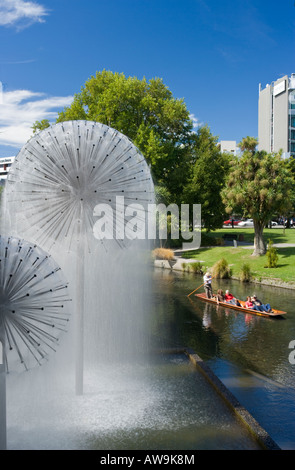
x,y
183,265
239,253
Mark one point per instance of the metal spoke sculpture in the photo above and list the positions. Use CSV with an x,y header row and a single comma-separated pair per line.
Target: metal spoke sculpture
x,y
63,172
33,309
58,179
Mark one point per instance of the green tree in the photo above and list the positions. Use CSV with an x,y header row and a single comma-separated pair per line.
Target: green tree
x,y
258,185
209,168
40,125
290,165
248,143
145,111
186,167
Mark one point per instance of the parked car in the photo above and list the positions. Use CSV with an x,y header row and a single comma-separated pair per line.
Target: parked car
x,y
246,223
250,223
229,222
273,224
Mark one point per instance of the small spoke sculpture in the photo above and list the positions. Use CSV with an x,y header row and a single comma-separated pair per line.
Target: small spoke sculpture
x,y
34,309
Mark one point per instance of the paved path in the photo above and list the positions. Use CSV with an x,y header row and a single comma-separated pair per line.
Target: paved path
x,y
277,245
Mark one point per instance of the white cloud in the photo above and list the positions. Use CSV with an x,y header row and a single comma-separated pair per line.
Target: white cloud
x,y
21,13
19,109
195,121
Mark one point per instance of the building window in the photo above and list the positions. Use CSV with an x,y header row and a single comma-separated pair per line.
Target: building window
x,y
292,99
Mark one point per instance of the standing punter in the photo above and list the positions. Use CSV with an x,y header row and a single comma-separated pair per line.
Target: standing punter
x,y
207,284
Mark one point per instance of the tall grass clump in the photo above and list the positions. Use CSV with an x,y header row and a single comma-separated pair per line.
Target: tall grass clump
x,y
221,269
163,253
246,274
197,267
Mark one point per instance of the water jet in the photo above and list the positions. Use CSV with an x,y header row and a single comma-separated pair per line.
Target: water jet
x,y
58,179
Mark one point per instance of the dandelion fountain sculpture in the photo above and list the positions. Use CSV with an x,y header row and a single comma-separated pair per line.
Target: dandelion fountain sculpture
x,y
34,310
66,180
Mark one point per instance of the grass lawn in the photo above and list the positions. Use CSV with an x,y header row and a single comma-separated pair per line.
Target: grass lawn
x,y
236,257
277,235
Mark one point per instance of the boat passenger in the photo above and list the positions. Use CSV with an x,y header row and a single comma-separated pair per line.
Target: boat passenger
x,y
220,296
230,299
258,305
249,303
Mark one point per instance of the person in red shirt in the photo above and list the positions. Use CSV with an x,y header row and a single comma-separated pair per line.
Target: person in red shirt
x,y
230,299
249,303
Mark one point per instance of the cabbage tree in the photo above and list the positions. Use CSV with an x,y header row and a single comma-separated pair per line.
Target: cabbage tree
x,y
258,185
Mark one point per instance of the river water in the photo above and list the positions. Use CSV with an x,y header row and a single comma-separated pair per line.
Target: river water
x,y
249,353
166,403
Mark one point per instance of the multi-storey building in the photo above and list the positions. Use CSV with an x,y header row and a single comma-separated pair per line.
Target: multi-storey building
x,y
229,146
276,116
5,164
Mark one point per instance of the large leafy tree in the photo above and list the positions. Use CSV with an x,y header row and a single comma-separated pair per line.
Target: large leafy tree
x,y
182,162
259,185
145,111
208,170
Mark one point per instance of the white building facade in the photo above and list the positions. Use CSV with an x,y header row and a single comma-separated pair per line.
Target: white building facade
x,y
276,116
229,146
5,164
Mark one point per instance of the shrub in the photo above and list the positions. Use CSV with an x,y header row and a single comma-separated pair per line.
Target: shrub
x,y
272,255
246,274
221,270
197,267
163,253
186,267
206,240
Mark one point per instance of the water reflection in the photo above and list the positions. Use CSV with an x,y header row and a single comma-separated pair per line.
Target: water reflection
x,y
256,348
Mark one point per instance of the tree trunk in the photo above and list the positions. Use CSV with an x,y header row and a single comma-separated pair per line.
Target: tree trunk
x,y
259,244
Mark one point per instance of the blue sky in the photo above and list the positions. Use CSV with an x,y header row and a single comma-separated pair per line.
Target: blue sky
x,y
211,53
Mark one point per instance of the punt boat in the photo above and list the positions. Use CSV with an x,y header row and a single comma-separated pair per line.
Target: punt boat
x,y
273,313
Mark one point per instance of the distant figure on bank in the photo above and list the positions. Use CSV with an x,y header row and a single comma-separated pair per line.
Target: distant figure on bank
x,y
208,285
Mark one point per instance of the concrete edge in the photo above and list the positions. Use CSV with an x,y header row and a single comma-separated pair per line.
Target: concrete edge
x,y
259,433
247,419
